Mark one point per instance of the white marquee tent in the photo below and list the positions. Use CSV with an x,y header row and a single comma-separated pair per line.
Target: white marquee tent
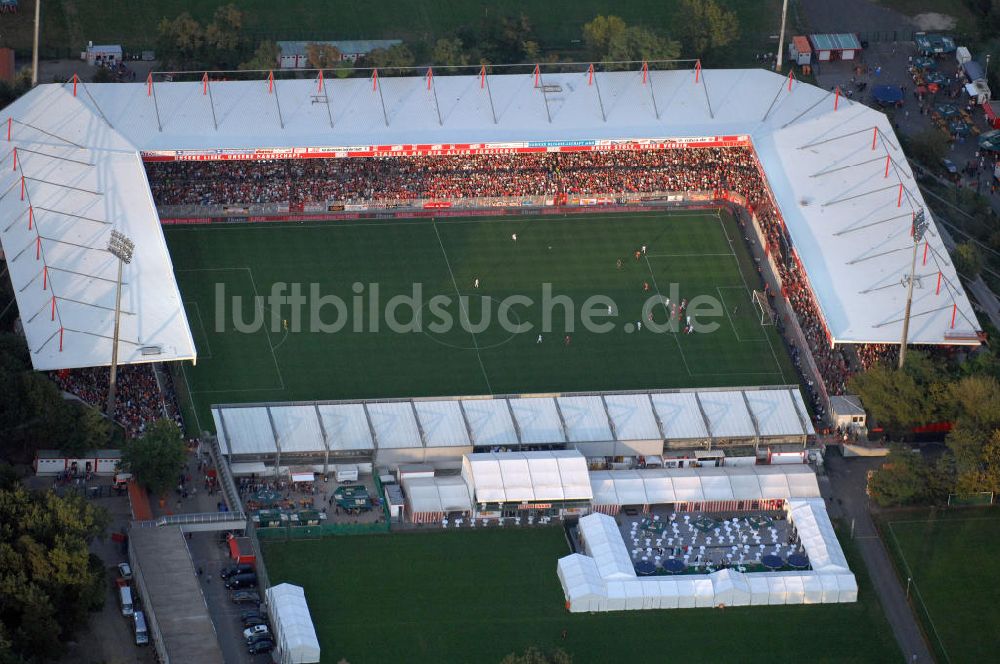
x,y
292,624
608,581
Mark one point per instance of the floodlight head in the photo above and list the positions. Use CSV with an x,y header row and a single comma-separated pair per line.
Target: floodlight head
x,y
919,226
121,247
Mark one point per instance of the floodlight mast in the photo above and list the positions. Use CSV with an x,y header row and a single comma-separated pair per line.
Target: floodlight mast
x,y
919,227
122,248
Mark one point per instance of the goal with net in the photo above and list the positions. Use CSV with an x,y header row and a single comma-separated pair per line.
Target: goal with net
x,y
763,308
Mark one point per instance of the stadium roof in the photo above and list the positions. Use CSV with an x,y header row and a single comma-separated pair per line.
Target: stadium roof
x,y
825,159
81,180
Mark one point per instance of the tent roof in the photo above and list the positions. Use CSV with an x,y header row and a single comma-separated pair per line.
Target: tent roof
x,y
448,493
293,623
668,485
585,418
528,476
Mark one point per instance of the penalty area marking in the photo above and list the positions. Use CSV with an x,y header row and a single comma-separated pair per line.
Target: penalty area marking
x,y
267,331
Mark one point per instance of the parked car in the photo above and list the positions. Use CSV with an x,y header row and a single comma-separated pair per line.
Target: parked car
x,y
125,571
252,613
245,597
242,581
256,629
257,638
233,570
254,621
261,647
949,166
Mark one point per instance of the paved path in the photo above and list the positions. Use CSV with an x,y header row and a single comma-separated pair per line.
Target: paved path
x,y
848,478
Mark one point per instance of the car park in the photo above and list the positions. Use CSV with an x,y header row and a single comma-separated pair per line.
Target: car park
x,y
261,647
245,597
255,630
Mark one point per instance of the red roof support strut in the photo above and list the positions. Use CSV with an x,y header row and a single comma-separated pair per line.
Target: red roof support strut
x,y
590,75
320,86
270,82
538,75
937,291
149,85
874,137
482,77
836,100
697,70
204,84
645,71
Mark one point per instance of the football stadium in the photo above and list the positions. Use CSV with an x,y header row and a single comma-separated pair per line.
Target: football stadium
x,y
619,302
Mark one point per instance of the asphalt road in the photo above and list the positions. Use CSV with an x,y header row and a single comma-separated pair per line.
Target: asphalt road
x,y
846,488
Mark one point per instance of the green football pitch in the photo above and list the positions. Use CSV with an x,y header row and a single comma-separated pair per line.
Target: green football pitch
x,y
226,274
950,558
478,595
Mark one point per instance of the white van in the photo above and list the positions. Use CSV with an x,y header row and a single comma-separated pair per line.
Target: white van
x,y
141,633
125,597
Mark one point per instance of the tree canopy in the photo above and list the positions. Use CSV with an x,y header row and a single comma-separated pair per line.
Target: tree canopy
x,y
322,56
610,40
157,457
184,43
48,579
902,398
706,26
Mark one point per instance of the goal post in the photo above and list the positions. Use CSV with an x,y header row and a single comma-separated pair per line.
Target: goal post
x,y
973,498
763,308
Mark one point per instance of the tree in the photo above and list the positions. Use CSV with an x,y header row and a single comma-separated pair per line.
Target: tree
x,y
610,40
179,41
224,33
264,58
322,56
977,400
103,75
903,479
928,147
48,579
600,32
449,52
894,398
157,457
705,26
387,58
968,260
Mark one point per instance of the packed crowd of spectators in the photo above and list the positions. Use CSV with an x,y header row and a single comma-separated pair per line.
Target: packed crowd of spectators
x,y
139,401
732,169
451,177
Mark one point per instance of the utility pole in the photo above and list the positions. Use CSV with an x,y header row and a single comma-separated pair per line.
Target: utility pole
x,y
919,226
781,37
34,50
122,248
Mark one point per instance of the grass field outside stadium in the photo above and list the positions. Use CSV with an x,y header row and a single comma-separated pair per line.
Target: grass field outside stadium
x,y
477,595
222,268
951,558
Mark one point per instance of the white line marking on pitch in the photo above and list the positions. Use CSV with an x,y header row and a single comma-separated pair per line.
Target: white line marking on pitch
x,y
204,330
468,316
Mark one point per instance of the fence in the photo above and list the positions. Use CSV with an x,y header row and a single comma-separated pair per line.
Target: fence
x,y
287,533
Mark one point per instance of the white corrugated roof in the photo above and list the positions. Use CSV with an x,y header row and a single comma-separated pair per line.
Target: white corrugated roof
x,y
490,422
680,416
585,419
247,430
775,413
347,426
538,420
727,414
632,416
442,423
394,424
298,428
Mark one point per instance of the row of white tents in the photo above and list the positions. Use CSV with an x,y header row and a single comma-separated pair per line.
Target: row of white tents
x,y
605,580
